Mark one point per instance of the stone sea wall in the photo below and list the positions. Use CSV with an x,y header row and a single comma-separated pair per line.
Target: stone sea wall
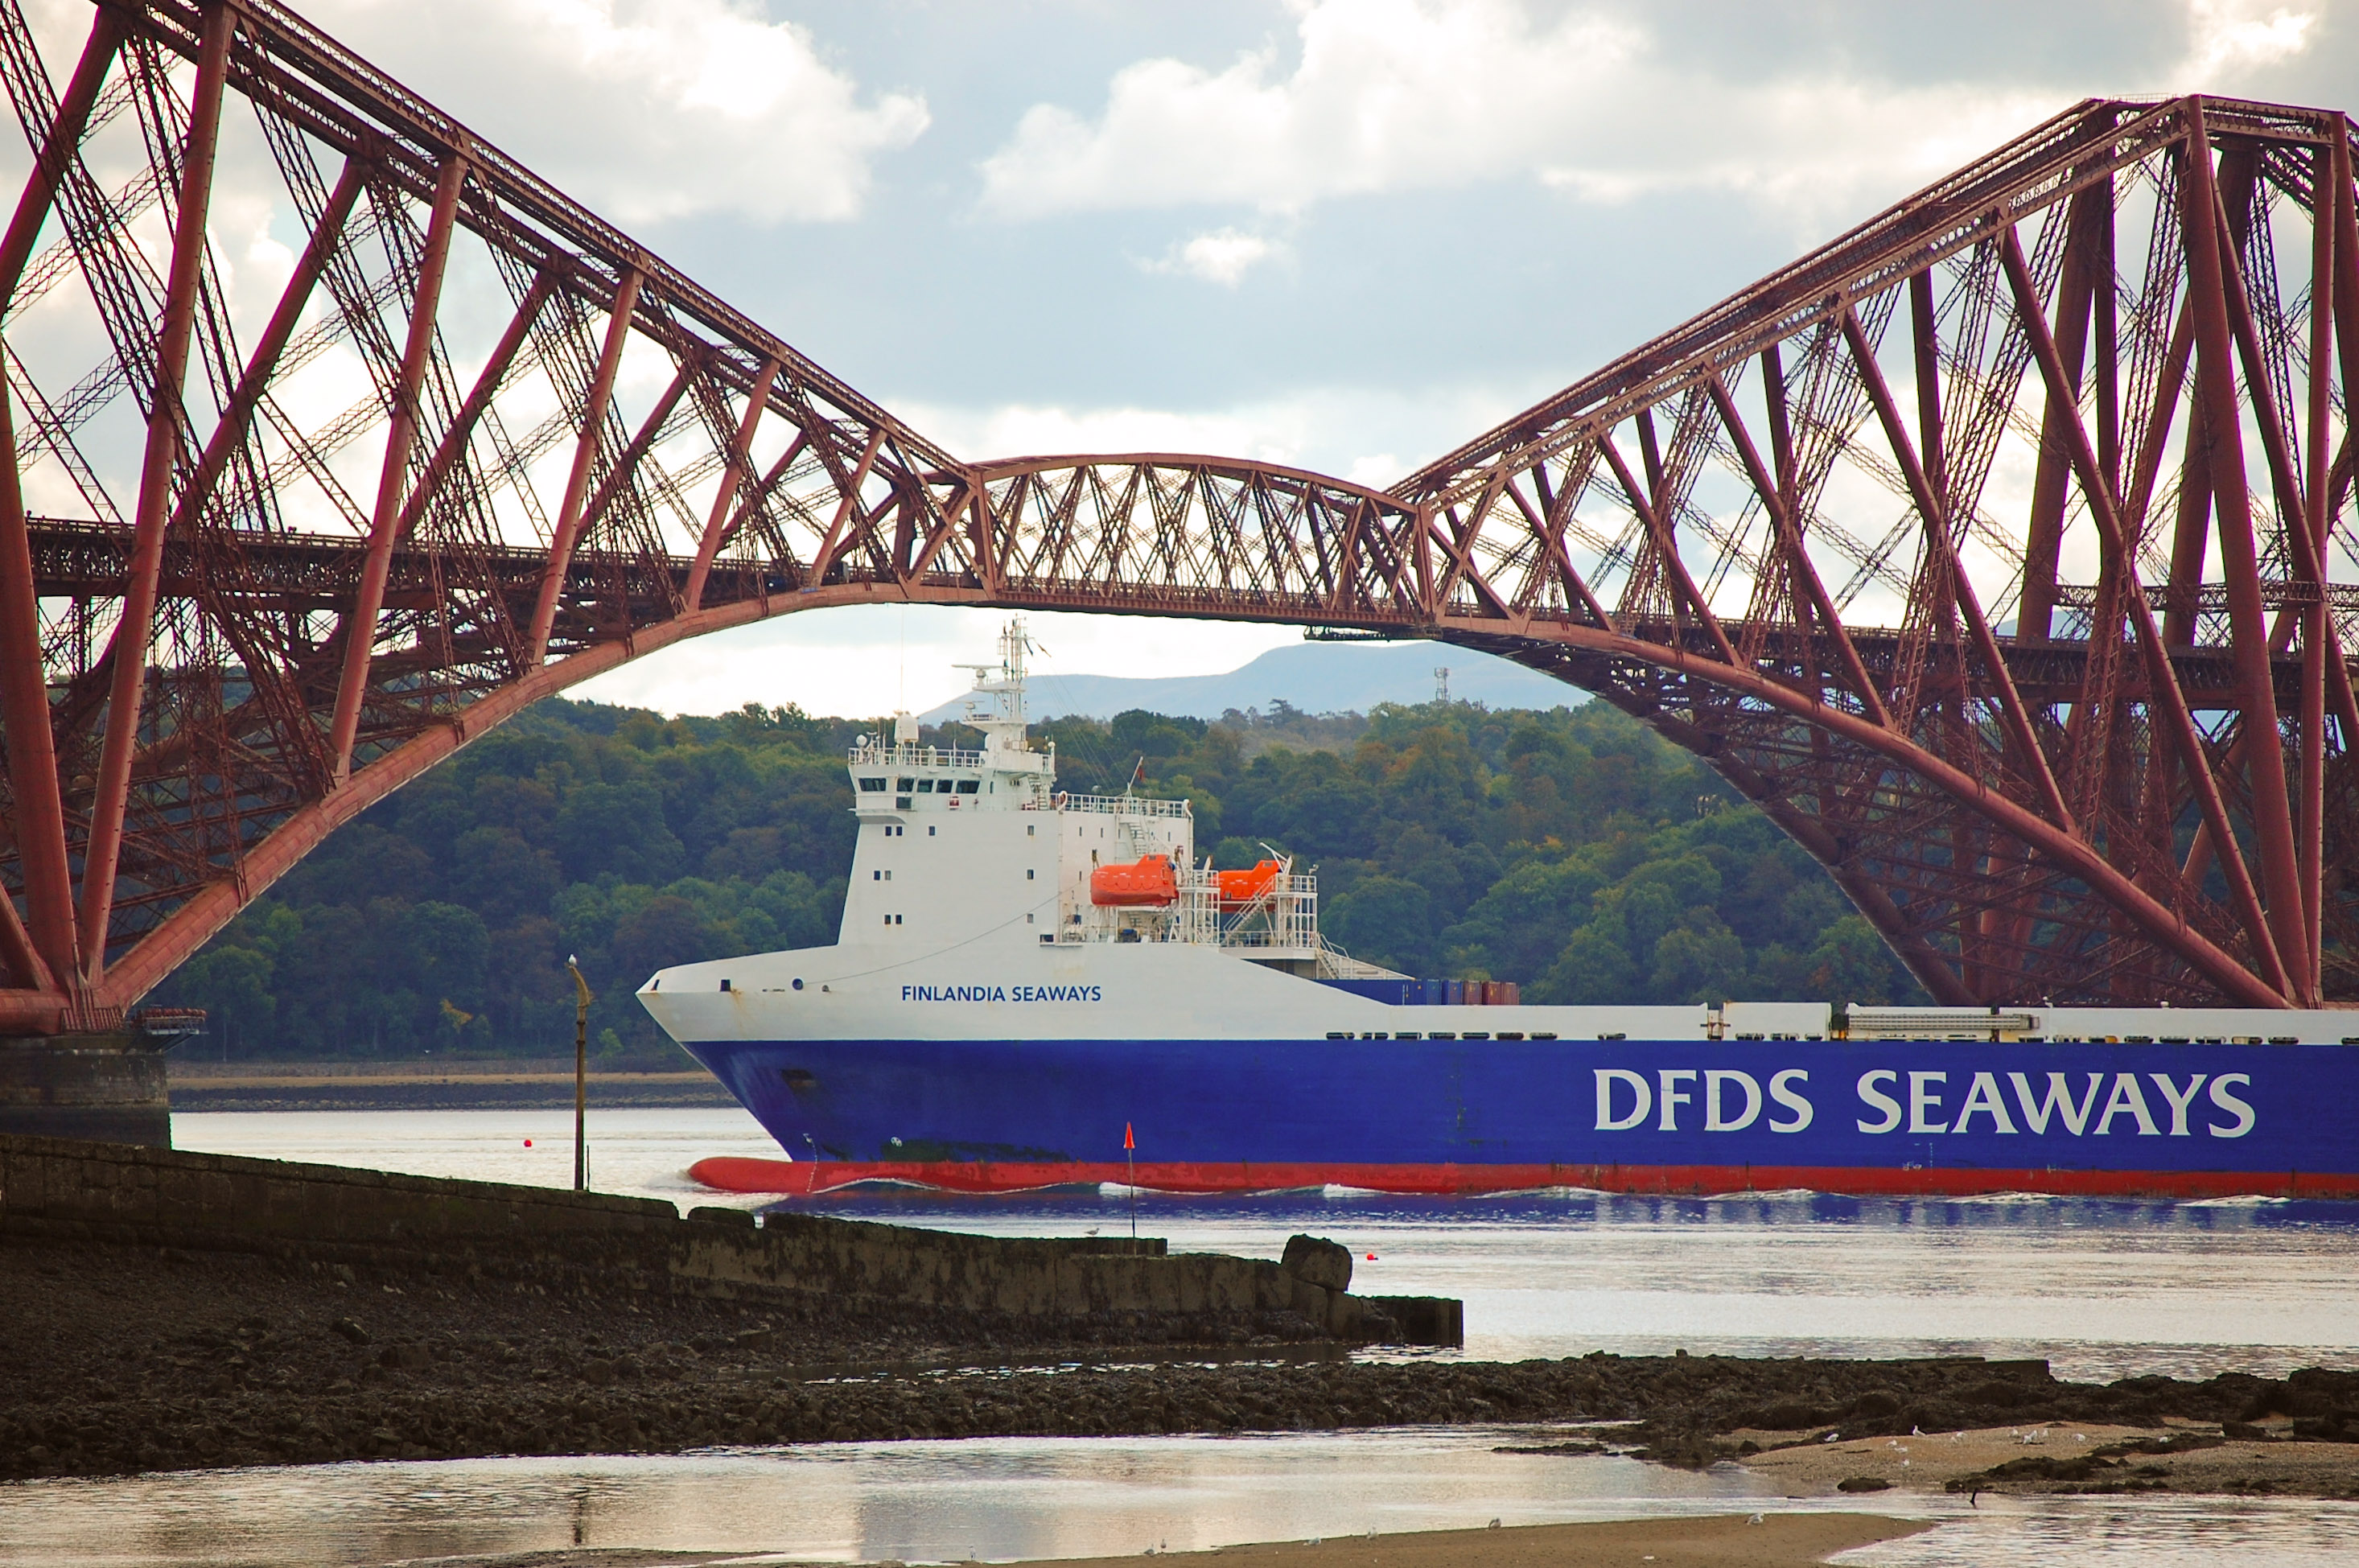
x,y
113,1192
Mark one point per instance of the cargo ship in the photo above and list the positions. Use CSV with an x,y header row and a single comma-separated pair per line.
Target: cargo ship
x,y
1033,988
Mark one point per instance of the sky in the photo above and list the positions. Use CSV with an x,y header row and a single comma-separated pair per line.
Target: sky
x,y
1342,233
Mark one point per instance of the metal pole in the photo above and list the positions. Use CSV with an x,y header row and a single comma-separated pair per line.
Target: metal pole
x,y
581,1000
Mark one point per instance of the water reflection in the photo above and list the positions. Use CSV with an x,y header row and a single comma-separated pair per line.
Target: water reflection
x,y
936,1501
1045,1498
2153,1532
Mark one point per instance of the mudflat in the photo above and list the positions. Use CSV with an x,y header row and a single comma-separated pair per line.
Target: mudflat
x,y
2268,1458
1723,1541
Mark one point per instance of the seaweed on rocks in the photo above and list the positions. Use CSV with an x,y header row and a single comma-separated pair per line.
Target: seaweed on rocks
x,y
116,1358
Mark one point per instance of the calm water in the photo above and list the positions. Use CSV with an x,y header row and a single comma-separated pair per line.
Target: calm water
x,y
2102,1289
1030,1498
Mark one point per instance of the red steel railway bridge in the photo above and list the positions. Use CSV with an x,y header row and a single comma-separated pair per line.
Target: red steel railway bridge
x,y
2002,550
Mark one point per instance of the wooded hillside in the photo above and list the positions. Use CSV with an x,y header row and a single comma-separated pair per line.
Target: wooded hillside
x,y
1568,850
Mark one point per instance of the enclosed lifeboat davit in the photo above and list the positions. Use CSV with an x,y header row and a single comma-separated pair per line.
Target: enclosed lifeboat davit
x,y
1240,888
1151,883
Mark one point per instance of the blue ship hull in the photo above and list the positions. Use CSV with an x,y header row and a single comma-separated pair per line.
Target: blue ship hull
x,y
1464,1115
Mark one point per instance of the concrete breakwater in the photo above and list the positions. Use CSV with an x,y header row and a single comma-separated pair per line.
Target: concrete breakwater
x,y
1087,1288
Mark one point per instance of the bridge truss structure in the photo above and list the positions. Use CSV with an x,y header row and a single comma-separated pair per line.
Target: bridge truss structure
x,y
2002,550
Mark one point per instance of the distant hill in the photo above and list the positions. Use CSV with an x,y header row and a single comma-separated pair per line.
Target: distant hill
x,y
1316,677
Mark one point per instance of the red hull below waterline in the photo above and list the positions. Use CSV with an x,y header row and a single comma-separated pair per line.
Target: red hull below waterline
x,y
814,1178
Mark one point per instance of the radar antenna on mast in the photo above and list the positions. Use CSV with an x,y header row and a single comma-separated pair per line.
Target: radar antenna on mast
x,y
995,704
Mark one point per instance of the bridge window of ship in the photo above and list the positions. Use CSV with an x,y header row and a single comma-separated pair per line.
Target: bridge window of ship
x,y
873,786
903,802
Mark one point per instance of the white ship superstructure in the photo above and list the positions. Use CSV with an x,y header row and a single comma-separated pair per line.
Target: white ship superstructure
x,y
969,862
960,847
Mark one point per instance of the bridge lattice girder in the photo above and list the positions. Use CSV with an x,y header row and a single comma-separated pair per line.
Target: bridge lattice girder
x,y
2000,549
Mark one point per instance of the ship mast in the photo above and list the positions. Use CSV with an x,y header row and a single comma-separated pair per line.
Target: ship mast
x,y
996,706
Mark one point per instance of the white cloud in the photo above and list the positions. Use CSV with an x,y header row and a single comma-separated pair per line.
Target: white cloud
x,y
2227,37
1390,95
1814,150
1222,256
645,111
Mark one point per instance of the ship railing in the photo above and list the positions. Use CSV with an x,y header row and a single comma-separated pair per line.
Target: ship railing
x,y
1926,1023
913,755
1281,940
1125,806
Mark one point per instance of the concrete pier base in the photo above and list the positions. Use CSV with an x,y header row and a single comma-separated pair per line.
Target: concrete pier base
x,y
108,1088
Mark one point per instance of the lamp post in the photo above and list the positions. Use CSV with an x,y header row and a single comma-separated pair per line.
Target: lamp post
x,y
581,1000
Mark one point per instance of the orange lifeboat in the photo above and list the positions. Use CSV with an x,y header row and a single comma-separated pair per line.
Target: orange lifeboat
x,y
1239,889
1150,884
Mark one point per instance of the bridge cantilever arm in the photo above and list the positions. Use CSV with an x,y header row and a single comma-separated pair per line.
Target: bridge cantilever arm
x,y
1933,507
48,951
1789,539
732,474
400,437
2160,677
568,531
454,441
158,464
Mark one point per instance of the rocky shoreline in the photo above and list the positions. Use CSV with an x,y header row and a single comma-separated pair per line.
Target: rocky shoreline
x,y
121,1358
